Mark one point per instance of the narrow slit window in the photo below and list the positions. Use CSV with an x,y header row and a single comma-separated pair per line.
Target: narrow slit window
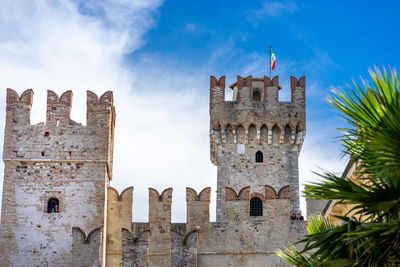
x,y
53,205
256,207
259,156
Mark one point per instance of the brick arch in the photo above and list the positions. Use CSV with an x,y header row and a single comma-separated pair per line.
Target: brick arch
x,y
243,193
284,192
165,195
85,239
270,192
13,97
107,97
153,194
191,234
178,234
113,193
204,194
258,195
230,194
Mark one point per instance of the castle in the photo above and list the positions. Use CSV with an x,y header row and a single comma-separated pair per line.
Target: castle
x,y
59,210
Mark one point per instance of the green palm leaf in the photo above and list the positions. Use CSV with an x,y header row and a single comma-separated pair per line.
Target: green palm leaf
x,y
370,231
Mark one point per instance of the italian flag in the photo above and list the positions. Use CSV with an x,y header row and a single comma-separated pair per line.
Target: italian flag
x,y
273,60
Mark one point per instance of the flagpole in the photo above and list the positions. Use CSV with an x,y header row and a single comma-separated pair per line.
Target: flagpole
x,y
270,51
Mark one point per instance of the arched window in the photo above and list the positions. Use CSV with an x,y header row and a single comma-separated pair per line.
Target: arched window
x,y
256,207
256,95
259,156
53,205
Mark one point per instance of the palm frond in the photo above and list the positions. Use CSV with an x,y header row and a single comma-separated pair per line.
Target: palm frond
x,y
370,230
293,256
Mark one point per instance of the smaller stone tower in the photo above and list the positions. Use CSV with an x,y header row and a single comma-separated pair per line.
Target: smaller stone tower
x,y
55,180
255,141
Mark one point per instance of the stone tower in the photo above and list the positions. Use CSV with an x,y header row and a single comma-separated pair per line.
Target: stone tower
x,y
55,180
255,142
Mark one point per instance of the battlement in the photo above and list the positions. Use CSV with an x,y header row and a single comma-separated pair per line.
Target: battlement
x,y
248,91
160,242
119,216
58,108
197,207
25,98
255,116
59,172
60,139
120,206
257,99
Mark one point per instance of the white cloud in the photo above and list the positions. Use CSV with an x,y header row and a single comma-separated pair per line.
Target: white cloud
x,y
272,9
162,111
161,135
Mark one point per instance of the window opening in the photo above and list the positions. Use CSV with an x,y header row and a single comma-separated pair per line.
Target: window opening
x,y
256,95
256,207
259,156
53,205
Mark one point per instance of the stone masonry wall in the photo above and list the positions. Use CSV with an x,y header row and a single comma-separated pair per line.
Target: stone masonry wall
x,y
135,249
184,250
197,208
247,243
160,227
73,163
242,127
60,159
86,249
251,241
119,216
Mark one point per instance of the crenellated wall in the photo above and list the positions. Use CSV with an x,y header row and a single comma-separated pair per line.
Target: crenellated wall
x,y
135,249
197,208
254,140
255,121
58,159
160,227
86,250
241,240
184,249
119,216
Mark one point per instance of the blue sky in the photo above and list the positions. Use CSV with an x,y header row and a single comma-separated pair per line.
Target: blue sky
x,y
157,57
345,38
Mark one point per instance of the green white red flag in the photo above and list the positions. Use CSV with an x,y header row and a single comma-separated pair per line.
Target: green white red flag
x,y
273,60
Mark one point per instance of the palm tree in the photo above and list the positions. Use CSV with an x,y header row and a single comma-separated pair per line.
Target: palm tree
x,y
370,231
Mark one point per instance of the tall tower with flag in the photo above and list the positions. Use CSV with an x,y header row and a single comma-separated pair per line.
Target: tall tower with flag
x,y
255,143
